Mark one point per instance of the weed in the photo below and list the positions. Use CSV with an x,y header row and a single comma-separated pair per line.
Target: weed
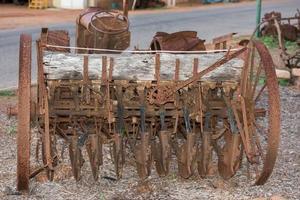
x,y
11,129
272,43
7,93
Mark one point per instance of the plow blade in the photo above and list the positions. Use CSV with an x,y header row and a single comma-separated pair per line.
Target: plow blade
x,y
186,156
162,153
143,156
118,155
75,157
94,150
205,157
230,158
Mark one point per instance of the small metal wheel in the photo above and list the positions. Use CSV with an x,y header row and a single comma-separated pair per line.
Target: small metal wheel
x,y
23,137
256,110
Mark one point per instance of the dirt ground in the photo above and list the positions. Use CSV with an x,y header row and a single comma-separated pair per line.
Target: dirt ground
x,y
283,184
12,16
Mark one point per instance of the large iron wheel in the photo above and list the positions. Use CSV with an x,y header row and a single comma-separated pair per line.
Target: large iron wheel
x,y
257,112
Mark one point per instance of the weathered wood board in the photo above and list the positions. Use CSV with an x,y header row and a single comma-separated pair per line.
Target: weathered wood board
x,y
139,66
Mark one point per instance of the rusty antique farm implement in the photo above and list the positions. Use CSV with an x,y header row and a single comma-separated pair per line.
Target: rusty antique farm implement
x,y
203,110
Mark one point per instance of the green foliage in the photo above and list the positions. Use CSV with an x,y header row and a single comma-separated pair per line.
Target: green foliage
x,y
283,82
11,130
7,93
261,80
291,46
272,43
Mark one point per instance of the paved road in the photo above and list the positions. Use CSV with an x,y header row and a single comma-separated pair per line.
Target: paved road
x,y
209,22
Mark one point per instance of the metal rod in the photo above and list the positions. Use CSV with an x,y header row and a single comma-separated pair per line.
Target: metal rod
x,y
258,16
141,51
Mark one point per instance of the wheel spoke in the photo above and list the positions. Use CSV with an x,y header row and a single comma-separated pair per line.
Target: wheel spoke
x,y
262,131
260,92
256,80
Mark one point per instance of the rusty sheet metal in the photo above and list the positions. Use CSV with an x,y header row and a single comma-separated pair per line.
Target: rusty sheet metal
x,y
178,41
289,30
59,38
97,28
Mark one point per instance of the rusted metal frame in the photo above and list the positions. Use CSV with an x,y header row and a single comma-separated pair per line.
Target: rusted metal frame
x,y
245,73
104,70
23,136
40,76
200,107
105,82
245,90
247,132
177,66
176,102
222,40
252,60
46,138
86,80
118,151
85,69
205,71
111,69
195,66
240,127
157,68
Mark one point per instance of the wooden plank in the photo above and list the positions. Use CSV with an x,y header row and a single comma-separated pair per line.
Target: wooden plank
x,y
138,66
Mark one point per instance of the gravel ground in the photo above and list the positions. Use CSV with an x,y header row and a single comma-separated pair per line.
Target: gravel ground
x,y
283,184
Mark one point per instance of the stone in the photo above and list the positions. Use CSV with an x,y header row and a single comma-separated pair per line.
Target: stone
x,y
297,82
277,197
218,184
260,198
284,74
277,60
296,72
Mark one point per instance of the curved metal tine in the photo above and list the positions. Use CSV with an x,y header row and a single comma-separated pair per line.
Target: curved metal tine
x,y
118,146
92,147
204,162
163,148
143,149
187,152
75,157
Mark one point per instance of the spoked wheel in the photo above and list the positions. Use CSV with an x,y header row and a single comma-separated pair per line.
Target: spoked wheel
x,y
23,137
257,112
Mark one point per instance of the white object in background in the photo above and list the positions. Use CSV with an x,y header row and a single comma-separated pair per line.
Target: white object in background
x,y
171,3
73,4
